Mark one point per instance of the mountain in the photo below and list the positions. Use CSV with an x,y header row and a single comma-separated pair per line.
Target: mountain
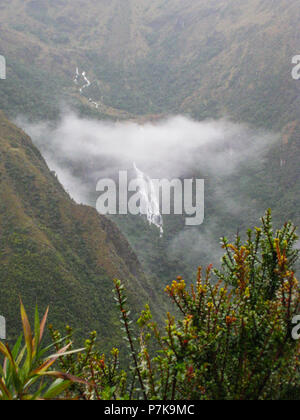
x,y
228,57
55,252
146,60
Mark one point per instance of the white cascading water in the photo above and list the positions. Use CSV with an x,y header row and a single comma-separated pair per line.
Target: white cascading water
x,y
151,200
87,84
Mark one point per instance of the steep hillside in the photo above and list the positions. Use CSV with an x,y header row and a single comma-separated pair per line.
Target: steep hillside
x,y
229,57
55,252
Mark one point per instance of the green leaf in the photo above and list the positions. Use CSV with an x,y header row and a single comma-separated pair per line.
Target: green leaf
x,y
36,330
57,388
27,335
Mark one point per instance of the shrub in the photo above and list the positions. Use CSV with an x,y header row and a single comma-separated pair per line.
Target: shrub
x,y
231,339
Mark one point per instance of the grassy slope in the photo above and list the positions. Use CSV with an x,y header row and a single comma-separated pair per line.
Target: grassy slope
x,y
55,252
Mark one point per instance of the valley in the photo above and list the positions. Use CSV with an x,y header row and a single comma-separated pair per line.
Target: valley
x,y
187,90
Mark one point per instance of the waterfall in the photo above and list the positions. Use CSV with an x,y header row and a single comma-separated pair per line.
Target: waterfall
x,y
150,200
87,84
77,75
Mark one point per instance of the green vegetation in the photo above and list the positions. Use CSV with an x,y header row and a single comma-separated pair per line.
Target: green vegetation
x,y
146,59
230,339
23,376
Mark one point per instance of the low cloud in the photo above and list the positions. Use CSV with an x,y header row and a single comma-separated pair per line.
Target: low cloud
x,y
82,151
81,148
